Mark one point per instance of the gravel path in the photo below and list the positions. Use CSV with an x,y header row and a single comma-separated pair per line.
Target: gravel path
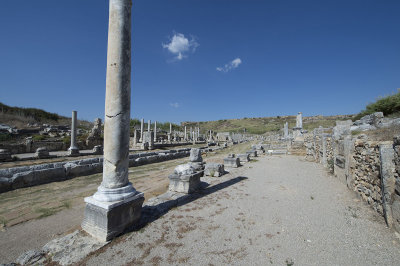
x,y
278,210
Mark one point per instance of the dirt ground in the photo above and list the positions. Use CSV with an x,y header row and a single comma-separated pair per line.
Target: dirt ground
x,y
49,210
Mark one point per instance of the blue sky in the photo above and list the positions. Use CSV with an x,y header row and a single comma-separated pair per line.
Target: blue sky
x,y
197,60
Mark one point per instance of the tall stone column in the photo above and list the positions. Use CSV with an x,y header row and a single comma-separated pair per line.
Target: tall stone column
x,y
170,128
73,149
149,126
141,129
155,131
286,130
299,120
116,205
185,137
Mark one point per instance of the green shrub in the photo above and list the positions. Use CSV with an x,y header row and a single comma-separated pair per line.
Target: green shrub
x,y
38,137
388,105
66,139
5,136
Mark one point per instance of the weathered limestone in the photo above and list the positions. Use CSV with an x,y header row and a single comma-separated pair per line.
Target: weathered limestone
x,y
149,126
387,170
98,149
196,161
184,179
214,169
116,205
299,120
252,153
155,131
170,128
73,150
5,155
232,162
42,153
244,158
185,135
94,137
141,129
136,137
286,130
148,140
195,155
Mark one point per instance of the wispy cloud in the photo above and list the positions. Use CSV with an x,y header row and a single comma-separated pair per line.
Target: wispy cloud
x,y
231,65
179,45
175,105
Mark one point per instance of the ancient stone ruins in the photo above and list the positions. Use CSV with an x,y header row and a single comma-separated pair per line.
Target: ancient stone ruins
x,y
201,159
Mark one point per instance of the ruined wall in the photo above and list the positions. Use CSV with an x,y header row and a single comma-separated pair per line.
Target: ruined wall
x,y
25,176
32,146
317,147
365,172
370,168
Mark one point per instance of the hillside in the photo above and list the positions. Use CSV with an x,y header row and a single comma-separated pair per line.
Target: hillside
x,y
262,125
20,117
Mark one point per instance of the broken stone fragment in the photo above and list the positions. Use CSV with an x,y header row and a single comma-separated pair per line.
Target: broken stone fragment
x,y
184,169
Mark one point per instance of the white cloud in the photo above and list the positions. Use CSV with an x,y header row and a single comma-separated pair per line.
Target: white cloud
x,y
175,105
231,65
179,45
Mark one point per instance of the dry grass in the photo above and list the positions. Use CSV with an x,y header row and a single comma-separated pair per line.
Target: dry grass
x,y
383,134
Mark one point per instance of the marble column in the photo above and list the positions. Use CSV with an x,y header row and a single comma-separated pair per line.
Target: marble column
x,y
155,131
170,128
73,150
286,130
149,126
299,120
141,129
116,205
184,136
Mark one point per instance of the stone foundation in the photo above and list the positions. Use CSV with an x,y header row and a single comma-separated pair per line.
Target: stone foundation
x,y
106,220
232,162
184,183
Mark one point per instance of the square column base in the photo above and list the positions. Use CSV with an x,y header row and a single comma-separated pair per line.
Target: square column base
x,y
106,220
185,183
232,162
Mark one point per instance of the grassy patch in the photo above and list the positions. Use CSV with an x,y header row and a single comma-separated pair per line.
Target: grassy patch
x,y
66,204
45,212
3,221
38,137
356,132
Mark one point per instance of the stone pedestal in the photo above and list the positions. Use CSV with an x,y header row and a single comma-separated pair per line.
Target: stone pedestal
x,y
42,153
73,152
185,183
214,169
252,153
5,155
232,162
244,158
106,220
98,150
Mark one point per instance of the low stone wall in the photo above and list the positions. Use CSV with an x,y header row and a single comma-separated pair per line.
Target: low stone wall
x,y
19,177
365,173
369,168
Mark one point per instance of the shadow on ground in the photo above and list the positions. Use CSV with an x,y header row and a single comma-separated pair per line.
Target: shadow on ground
x,y
152,213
